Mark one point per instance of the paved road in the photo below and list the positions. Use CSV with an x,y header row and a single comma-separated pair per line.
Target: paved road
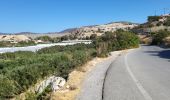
x,y
141,74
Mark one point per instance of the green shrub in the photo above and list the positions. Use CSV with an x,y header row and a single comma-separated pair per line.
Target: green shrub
x,y
153,18
30,96
79,57
8,89
45,38
93,36
25,43
20,70
115,41
159,36
167,22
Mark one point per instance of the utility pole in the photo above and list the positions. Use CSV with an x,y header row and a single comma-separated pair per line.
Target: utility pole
x,y
155,12
164,11
168,10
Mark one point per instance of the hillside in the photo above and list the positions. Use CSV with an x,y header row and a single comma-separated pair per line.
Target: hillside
x,y
155,24
70,30
14,38
156,31
87,31
83,31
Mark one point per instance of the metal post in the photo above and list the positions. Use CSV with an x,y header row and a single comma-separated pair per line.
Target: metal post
x,y
164,11
155,12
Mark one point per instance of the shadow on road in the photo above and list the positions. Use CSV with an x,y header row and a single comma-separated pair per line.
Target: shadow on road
x,y
162,54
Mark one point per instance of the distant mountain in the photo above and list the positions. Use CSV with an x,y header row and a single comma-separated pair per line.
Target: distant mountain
x,y
70,30
3,33
23,33
52,33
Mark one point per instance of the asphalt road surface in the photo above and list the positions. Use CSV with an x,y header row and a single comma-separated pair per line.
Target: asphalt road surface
x,y
141,74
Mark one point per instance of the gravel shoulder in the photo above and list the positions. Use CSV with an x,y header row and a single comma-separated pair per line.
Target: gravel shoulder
x,y
92,86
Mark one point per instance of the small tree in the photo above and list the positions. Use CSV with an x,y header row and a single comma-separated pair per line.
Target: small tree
x,y
44,38
87,37
159,36
167,22
93,36
64,38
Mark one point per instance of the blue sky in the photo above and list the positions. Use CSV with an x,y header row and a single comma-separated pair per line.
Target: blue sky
x,y
56,15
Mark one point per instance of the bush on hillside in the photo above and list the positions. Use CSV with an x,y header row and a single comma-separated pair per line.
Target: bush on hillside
x,y
159,36
153,18
93,36
118,40
45,38
167,22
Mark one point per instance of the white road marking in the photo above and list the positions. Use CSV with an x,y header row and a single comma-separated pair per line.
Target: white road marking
x,y
139,85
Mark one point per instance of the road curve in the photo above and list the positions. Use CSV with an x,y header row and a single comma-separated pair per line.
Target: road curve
x,y
141,74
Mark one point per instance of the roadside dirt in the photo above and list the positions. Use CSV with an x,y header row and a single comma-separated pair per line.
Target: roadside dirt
x,y
73,85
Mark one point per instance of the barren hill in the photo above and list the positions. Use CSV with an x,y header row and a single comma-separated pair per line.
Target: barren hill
x,y
78,32
14,38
